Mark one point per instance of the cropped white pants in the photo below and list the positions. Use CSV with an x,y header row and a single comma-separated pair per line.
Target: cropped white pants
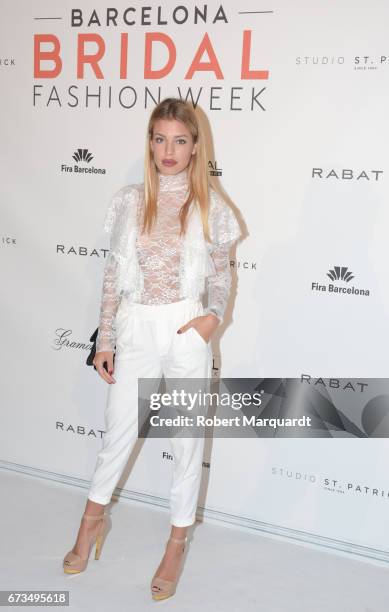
x,y
147,346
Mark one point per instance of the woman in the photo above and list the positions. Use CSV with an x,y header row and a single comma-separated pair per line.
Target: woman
x,y
168,236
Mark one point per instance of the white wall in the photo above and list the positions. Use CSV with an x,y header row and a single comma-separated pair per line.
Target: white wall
x,y
322,106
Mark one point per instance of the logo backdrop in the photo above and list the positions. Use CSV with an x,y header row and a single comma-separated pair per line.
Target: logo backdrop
x,y
295,100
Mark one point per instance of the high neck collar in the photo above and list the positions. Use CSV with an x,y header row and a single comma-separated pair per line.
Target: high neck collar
x,y
172,182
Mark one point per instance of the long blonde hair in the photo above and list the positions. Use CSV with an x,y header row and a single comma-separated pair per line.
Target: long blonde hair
x,y
198,184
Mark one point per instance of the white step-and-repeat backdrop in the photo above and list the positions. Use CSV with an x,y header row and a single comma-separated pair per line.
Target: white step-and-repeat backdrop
x,y
296,95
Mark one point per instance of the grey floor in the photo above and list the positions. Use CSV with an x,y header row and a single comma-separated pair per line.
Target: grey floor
x,y
225,569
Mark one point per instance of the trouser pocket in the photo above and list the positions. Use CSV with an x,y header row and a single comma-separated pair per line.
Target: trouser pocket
x,y
198,335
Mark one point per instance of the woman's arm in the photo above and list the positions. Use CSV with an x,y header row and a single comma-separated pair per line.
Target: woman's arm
x,y
224,232
110,295
219,285
110,300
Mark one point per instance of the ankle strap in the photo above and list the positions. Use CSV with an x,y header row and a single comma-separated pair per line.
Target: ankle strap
x,y
178,540
93,516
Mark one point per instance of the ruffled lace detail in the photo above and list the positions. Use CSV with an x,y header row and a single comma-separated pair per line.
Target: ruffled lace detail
x,y
121,271
162,267
224,231
224,227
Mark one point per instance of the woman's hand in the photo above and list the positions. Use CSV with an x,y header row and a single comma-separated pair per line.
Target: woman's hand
x,y
205,325
98,361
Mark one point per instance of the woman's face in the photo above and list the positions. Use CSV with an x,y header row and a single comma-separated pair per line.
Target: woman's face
x,y
172,146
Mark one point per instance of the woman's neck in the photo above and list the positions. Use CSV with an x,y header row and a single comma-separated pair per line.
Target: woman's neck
x,y
171,182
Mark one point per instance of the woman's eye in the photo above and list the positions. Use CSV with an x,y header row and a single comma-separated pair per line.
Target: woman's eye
x,y
179,140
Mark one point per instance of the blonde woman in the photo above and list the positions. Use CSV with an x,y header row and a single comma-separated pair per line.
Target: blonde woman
x,y
169,244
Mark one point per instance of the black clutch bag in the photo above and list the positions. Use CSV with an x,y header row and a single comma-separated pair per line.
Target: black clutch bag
x,y
91,356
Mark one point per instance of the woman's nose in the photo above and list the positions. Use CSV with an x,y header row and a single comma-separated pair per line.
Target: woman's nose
x,y
169,148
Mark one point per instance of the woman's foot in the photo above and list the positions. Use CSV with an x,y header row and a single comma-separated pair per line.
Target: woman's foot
x,y
169,567
86,534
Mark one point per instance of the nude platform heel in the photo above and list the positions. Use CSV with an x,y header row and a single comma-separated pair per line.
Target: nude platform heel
x,y
73,563
167,588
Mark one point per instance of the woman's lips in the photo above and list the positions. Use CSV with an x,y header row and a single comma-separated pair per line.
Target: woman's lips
x,y
169,162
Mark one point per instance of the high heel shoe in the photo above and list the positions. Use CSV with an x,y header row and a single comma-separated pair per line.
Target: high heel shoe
x,y
167,588
73,563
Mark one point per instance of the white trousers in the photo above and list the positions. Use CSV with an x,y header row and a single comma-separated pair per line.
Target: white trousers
x,y
147,346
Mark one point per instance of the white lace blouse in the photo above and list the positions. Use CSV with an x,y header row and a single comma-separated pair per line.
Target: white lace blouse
x,y
162,267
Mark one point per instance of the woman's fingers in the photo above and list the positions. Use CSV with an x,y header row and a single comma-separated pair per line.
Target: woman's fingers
x,y
99,360
185,327
201,326
206,325
104,374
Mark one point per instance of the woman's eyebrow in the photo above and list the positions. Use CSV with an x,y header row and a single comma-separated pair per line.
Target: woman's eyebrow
x,y
176,136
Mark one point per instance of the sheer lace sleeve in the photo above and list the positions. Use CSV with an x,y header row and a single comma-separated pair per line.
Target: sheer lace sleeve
x,y
224,231
110,297
219,284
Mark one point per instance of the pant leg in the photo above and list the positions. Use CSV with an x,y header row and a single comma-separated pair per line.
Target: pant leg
x,y
136,356
189,356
